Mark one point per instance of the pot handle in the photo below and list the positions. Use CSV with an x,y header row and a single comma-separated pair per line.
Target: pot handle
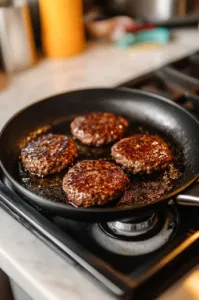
x,y
190,196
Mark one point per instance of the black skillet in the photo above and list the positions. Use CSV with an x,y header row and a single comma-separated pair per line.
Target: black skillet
x,y
55,114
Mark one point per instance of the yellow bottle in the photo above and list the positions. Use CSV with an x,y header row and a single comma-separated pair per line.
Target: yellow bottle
x,y
62,27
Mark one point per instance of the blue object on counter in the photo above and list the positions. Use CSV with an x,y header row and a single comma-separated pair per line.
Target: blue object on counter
x,y
127,40
158,35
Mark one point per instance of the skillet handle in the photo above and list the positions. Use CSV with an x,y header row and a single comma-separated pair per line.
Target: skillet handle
x,y
190,196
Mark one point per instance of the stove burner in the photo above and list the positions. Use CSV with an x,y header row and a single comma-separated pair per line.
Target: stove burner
x,y
142,237
132,227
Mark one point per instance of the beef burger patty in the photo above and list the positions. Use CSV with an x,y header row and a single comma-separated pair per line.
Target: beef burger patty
x,y
142,153
48,154
94,182
98,128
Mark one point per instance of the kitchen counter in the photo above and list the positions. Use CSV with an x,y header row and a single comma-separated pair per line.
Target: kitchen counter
x,y
27,260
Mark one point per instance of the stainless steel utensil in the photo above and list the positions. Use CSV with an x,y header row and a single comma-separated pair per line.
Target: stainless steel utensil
x,y
154,10
16,37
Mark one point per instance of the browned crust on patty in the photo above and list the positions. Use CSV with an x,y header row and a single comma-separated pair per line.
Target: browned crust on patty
x,y
98,128
142,153
48,154
94,182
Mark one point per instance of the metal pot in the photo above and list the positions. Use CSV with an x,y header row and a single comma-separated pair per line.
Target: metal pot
x,y
154,10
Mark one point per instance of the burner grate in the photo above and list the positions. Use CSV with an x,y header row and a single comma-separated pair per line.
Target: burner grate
x,y
160,231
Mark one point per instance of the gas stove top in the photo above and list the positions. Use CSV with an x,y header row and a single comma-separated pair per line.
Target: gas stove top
x,y
141,255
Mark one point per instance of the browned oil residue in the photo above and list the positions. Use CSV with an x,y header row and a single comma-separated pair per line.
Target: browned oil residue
x,y
147,189
143,188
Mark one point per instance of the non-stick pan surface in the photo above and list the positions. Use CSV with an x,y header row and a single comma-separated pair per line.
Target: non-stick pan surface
x,y
145,111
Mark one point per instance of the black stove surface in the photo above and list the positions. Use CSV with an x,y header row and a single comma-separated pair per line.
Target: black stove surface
x,y
130,265
174,239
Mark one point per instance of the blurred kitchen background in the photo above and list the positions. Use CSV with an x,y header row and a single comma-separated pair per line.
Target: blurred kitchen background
x,y
31,30
169,13
62,28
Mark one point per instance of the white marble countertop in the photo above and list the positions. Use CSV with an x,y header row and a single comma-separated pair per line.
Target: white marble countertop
x,y
34,266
